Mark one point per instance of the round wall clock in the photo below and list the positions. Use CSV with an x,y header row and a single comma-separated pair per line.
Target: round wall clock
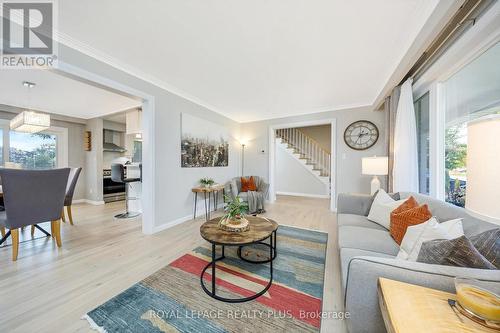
x,y
361,135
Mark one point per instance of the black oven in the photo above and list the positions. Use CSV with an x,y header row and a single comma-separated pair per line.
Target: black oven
x,y
112,191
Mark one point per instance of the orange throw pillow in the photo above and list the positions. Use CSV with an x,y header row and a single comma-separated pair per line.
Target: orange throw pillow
x,y
248,184
401,221
408,204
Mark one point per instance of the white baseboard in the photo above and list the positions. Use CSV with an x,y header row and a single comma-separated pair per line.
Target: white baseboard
x,y
320,196
170,224
90,202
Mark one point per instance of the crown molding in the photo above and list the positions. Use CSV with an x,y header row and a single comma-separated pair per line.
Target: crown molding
x,y
133,71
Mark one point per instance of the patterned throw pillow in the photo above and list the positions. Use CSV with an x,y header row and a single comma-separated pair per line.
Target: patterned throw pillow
x,y
400,221
488,244
455,252
408,204
248,184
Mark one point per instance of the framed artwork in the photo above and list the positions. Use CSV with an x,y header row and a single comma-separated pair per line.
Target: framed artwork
x,y
204,144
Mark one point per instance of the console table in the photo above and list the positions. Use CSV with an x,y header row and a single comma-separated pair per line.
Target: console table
x,y
214,190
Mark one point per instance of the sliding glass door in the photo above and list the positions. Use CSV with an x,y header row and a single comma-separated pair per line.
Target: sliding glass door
x,y
471,93
422,120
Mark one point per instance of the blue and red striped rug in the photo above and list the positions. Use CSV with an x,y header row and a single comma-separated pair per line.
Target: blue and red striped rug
x,y
171,300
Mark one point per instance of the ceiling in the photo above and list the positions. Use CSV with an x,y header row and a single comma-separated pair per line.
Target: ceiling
x,y
120,118
59,95
253,60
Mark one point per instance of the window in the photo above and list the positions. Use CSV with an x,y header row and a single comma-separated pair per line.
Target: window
x,y
422,120
44,150
137,155
2,161
471,93
33,151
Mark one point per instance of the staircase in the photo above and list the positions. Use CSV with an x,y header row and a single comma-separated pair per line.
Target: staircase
x,y
307,151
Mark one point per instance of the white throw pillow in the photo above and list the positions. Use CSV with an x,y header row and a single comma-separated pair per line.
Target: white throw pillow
x,y
381,209
417,234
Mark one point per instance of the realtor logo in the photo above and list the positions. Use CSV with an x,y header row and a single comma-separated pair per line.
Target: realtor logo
x,y
28,34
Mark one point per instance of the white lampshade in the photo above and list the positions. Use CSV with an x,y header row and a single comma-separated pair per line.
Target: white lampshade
x,y
483,165
30,122
133,122
375,166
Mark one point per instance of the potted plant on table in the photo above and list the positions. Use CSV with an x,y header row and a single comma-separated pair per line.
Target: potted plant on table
x,y
234,220
206,182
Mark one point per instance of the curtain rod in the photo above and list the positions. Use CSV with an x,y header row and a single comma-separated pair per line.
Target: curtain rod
x,y
464,18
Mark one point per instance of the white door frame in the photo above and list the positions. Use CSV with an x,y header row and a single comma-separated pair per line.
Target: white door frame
x,y
333,161
148,128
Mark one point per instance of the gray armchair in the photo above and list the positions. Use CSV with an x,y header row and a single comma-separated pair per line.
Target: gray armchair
x,y
32,197
255,199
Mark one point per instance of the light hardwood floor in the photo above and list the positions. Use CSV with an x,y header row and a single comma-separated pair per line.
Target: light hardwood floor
x,y
49,289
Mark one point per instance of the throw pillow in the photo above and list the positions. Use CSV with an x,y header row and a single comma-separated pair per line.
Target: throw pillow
x,y
408,204
248,184
416,235
488,244
382,206
400,221
455,252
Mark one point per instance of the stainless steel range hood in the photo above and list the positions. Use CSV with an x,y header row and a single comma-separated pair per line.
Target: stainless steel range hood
x,y
110,137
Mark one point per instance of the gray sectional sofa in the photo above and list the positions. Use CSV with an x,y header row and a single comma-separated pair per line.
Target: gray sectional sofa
x,y
368,252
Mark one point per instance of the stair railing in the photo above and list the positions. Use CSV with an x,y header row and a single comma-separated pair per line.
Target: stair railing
x,y
308,148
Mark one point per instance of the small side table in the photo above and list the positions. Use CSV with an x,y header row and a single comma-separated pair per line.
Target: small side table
x,y
407,308
214,190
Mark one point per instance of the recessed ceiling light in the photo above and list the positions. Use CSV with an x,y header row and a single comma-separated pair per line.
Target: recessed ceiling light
x,y
29,84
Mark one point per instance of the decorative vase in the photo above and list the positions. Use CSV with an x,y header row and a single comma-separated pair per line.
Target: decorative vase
x,y
234,224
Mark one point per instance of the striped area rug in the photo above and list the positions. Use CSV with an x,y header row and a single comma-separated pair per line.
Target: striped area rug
x,y
171,300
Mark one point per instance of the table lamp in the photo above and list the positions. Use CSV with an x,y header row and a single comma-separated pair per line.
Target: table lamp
x,y
375,166
483,163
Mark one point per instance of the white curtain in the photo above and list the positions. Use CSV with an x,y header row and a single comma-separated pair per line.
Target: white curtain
x,y
405,170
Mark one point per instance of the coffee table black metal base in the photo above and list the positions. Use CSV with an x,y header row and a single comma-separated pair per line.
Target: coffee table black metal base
x,y
271,245
212,264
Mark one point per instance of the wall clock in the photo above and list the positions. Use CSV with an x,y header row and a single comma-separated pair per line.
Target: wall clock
x,y
361,135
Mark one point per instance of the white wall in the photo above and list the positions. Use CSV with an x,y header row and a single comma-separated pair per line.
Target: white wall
x,y
348,178
173,200
321,134
293,177
94,160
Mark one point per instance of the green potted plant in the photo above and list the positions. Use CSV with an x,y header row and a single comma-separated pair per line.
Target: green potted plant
x,y
207,182
234,219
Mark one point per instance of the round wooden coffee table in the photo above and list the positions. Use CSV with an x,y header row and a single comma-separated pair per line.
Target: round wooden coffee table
x,y
260,230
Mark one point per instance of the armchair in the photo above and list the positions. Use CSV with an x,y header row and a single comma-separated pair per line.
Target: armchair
x,y
255,199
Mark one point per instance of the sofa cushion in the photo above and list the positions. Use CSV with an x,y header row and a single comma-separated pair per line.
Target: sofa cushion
x,y
445,212
454,252
367,239
357,221
488,244
243,196
346,254
401,221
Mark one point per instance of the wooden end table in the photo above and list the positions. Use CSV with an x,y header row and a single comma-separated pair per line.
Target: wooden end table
x,y
407,308
259,230
214,189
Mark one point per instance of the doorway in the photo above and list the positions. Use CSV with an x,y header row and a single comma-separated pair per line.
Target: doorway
x,y
301,165
148,130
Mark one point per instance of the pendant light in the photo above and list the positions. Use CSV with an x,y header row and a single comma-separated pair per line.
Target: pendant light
x,y
30,121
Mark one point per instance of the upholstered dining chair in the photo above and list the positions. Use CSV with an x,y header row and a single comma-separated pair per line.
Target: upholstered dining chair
x,y
70,190
32,197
